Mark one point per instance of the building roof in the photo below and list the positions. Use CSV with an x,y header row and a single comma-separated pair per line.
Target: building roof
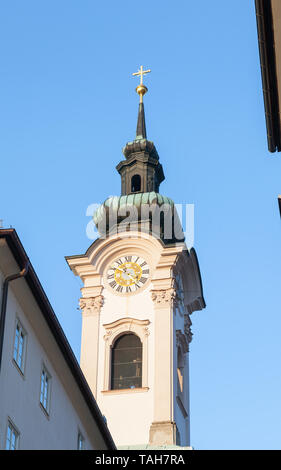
x,y
17,249
268,13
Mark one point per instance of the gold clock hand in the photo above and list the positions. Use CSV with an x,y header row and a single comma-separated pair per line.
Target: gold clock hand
x,y
128,274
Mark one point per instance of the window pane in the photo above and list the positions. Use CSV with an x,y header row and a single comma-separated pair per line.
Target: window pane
x,y
16,343
12,437
8,440
45,389
42,386
80,445
126,369
13,444
19,344
135,183
20,350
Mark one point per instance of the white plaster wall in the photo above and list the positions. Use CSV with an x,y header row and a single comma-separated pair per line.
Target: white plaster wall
x,y
124,409
129,415
20,394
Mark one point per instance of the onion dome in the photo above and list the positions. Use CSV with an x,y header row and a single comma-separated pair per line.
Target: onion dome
x,y
148,212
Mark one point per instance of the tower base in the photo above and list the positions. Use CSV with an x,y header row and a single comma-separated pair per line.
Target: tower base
x,y
163,433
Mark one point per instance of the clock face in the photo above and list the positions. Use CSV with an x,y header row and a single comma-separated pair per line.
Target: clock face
x,y
127,274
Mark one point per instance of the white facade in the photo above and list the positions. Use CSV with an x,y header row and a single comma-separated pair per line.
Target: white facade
x,y
157,413
67,413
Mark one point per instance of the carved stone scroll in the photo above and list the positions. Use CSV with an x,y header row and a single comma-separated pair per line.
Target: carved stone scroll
x,y
91,305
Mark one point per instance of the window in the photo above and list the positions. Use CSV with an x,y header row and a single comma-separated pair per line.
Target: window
x,y
80,441
19,346
182,350
115,331
135,183
12,437
45,389
180,371
126,365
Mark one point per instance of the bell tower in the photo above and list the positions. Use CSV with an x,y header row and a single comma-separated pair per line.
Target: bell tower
x,y
141,172
140,287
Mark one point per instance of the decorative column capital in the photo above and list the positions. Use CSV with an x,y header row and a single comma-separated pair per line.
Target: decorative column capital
x,y
91,305
164,297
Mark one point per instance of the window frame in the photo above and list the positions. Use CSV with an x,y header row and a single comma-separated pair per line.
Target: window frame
x,y
46,408
181,377
22,330
80,438
136,180
113,331
180,372
14,429
114,365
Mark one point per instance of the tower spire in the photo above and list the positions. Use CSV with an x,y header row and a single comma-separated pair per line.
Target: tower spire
x,y
141,171
141,90
141,129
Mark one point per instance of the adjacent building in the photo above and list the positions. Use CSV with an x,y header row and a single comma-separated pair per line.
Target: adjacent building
x,y
45,400
268,13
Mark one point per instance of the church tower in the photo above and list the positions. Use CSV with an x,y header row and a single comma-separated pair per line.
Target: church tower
x,y
140,285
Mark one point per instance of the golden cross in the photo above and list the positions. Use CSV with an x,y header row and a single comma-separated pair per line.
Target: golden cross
x,y
141,72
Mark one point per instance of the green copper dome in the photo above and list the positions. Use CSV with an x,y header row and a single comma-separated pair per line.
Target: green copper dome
x,y
115,203
149,212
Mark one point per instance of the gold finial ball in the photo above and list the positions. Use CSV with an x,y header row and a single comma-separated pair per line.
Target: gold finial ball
x,y
141,90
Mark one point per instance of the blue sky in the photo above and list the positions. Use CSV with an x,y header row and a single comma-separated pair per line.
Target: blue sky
x,y
68,106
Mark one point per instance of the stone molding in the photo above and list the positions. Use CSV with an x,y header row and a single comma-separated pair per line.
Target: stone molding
x,y
91,305
181,341
163,297
126,324
187,329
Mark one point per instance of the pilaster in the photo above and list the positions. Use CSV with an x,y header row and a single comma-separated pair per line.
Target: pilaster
x,y
163,428
91,307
